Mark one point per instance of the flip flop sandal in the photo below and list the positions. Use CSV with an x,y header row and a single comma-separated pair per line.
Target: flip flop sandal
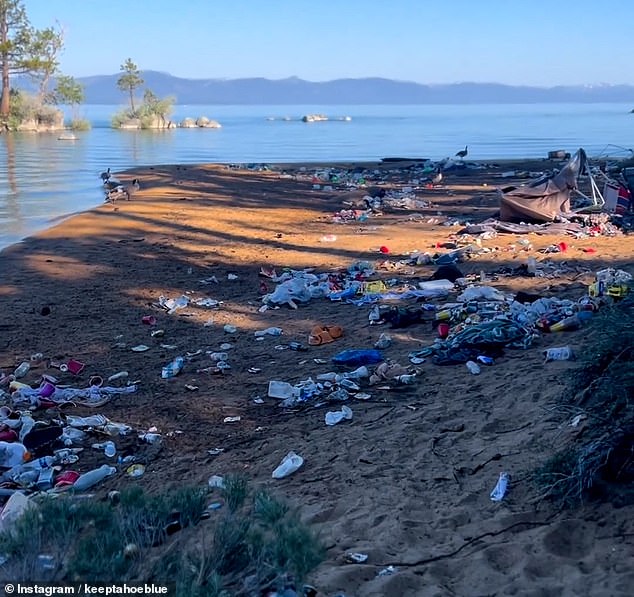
x,y
335,331
319,335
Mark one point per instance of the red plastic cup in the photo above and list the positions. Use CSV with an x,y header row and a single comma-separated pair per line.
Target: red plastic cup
x,y
383,249
8,435
75,367
149,319
443,330
563,247
66,478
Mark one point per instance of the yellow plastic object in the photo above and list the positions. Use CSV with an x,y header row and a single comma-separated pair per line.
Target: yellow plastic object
x,y
599,289
135,470
18,385
617,291
375,287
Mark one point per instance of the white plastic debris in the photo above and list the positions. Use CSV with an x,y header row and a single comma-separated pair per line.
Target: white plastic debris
x,y
334,417
290,463
216,481
497,495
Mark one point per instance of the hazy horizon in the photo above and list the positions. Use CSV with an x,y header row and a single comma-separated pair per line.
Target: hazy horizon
x,y
539,44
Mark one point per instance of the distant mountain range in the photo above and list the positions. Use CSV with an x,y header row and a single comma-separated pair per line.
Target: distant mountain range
x,y
102,89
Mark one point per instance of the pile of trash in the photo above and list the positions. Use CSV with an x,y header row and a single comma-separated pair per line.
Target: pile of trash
x,y
477,327
38,454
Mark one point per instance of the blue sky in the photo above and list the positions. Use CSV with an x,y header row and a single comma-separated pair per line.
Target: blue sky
x,y
532,42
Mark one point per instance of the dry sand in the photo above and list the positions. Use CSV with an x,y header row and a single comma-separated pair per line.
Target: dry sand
x,y
408,480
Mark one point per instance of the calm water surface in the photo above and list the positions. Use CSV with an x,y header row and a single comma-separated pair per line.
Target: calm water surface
x,y
43,178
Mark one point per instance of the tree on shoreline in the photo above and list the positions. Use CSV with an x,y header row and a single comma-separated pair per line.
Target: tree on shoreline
x,y
24,50
130,80
70,92
48,44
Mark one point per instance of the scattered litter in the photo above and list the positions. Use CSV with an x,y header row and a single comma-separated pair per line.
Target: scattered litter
x,y
173,369
345,414
231,419
135,470
388,571
499,491
357,558
473,367
290,463
216,481
563,353
140,348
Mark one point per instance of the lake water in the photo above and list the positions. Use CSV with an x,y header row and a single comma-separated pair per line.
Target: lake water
x,y
43,178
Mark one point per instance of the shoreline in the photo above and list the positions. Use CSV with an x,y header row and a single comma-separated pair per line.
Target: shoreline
x,y
409,477
401,163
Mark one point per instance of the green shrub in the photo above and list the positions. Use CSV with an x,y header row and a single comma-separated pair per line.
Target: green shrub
x,y
254,544
80,124
598,464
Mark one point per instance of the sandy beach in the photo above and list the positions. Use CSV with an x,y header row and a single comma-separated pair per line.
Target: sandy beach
x,y
407,480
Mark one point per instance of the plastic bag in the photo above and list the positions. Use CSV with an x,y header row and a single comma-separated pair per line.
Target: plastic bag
x,y
481,293
289,293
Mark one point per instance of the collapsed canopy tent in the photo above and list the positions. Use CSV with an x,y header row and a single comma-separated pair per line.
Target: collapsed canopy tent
x,y
544,199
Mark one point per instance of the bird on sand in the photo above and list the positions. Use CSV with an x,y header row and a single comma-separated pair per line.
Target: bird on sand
x,y
105,176
122,191
463,153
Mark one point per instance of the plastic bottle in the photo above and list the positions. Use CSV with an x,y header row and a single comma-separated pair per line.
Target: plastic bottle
x,y
497,495
12,454
173,368
562,353
27,424
384,341
40,463
282,390
358,373
91,478
269,332
151,438
358,357
22,369
473,367
574,322
218,356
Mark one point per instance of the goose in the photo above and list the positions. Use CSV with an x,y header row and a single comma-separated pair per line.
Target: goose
x,y
120,191
112,184
105,176
463,153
